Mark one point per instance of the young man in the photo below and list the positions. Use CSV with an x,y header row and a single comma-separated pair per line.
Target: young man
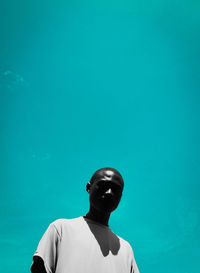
x,y
86,243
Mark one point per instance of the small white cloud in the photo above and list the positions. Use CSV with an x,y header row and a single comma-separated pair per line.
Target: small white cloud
x,y
12,80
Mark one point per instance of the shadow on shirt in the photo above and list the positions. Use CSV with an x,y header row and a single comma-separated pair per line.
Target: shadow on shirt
x,y
106,239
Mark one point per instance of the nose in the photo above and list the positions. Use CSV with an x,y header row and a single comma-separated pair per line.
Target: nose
x,y
109,192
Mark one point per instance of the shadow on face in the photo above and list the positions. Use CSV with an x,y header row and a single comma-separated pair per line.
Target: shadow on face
x,y
105,189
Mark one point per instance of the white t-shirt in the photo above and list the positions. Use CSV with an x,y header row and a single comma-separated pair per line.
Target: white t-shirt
x,y
83,245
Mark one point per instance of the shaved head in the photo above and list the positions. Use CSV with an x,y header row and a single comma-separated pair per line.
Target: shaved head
x,y
109,172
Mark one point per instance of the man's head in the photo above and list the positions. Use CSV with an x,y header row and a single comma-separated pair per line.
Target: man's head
x,y
105,189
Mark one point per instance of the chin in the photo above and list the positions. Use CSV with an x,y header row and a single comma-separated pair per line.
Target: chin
x,y
106,209
104,206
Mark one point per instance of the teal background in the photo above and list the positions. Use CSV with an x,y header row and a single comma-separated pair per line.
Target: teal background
x,y
86,85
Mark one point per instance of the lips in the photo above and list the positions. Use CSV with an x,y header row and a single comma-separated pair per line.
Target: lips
x,y
107,197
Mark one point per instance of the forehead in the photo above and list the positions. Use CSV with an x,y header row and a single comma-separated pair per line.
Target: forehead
x,y
109,176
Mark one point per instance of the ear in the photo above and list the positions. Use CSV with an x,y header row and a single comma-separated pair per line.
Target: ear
x,y
88,186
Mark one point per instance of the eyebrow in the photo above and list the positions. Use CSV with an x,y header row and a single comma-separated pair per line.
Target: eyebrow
x,y
104,182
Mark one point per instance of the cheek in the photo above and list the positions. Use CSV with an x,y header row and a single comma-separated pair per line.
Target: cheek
x,y
96,191
93,195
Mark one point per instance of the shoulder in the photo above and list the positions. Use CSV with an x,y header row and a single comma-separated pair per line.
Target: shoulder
x,y
64,221
124,242
126,245
62,224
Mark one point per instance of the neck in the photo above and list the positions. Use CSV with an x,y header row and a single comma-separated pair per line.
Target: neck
x,y
98,216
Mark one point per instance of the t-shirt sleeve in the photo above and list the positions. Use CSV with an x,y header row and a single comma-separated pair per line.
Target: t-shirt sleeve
x,y
47,248
134,268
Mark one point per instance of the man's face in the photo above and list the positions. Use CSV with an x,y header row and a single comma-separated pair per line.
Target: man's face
x,y
106,191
